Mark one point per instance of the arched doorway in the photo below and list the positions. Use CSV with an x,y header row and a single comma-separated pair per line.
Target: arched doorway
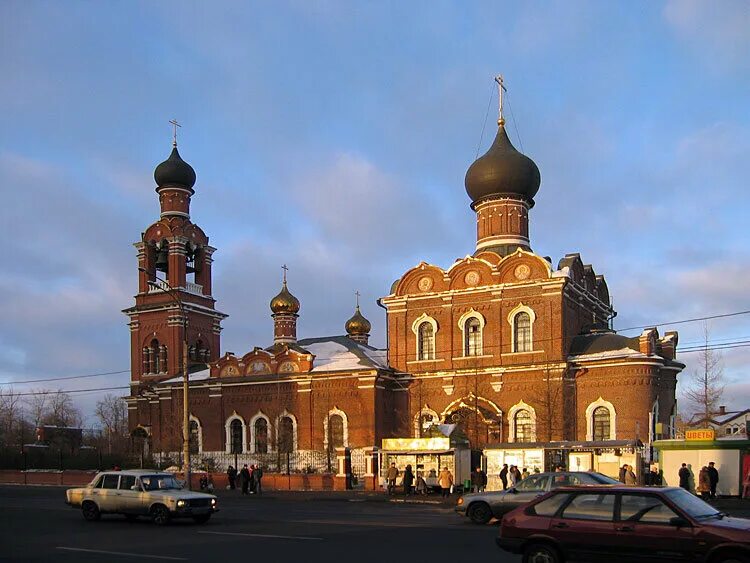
x,y
480,420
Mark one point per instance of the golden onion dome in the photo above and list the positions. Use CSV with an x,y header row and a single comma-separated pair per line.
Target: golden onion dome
x,y
285,302
358,324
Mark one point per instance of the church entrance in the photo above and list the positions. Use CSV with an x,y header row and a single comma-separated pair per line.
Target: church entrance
x,y
479,420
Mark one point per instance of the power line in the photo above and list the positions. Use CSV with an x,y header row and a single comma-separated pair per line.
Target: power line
x,y
32,393
63,378
711,317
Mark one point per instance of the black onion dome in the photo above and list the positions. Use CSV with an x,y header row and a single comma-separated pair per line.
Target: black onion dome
x,y
175,171
502,170
358,324
284,302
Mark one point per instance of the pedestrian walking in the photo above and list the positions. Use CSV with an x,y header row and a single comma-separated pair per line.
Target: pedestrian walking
x,y
391,477
232,477
504,476
258,479
244,479
524,474
684,475
513,475
408,480
704,483
421,484
713,476
623,471
478,480
630,477
445,481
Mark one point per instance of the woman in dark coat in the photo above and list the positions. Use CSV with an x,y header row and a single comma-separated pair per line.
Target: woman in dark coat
x,y
244,479
408,480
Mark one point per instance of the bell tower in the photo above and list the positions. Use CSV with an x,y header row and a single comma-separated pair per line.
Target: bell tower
x,y
174,305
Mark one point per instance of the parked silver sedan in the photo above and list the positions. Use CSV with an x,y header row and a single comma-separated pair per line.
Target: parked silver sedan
x,y
482,507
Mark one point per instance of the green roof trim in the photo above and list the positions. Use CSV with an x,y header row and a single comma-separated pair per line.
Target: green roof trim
x,y
702,444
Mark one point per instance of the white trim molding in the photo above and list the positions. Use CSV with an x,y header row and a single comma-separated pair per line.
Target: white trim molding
x,y
520,406
418,418
293,418
200,431
257,416
590,418
521,308
424,317
228,433
345,421
471,314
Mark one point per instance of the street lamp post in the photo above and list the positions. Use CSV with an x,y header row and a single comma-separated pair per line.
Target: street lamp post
x,y
175,296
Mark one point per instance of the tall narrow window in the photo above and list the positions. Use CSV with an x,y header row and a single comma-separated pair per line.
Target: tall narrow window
x,y
154,362
601,423
426,341
261,436
524,426
472,337
335,431
286,435
522,332
235,429
194,442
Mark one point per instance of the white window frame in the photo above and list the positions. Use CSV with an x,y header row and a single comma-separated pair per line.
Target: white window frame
x,y
251,424
418,419
415,329
471,314
520,406
228,433
344,418
590,418
521,308
294,428
191,418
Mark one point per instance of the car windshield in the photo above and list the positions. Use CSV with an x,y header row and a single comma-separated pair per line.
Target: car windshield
x,y
603,479
691,504
159,482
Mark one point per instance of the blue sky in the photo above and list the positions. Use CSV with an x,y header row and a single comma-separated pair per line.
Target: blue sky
x,y
334,137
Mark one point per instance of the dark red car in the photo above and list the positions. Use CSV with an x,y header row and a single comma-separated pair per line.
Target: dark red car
x,y
618,523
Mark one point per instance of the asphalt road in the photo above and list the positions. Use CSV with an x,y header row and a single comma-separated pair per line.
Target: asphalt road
x,y
36,525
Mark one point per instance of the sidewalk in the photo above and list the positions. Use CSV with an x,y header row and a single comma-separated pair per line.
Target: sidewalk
x,y
342,496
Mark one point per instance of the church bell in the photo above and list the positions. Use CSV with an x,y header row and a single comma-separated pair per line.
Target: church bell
x,y
162,260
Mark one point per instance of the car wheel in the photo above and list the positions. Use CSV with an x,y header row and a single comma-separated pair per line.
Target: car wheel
x,y
540,553
202,519
90,511
480,513
160,515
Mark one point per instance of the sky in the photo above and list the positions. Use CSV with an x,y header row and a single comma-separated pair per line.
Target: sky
x,y
334,137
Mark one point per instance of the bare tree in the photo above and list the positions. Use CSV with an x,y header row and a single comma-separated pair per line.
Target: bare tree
x,y
37,404
11,416
547,397
53,408
112,413
706,388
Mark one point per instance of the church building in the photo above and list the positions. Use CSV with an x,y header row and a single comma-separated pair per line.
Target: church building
x,y
514,350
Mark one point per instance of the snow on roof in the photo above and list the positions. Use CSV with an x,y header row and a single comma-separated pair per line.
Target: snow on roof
x,y
340,353
622,352
562,273
729,416
196,376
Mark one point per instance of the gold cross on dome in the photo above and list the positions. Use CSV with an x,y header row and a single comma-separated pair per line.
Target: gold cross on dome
x,y
500,89
285,271
175,125
357,294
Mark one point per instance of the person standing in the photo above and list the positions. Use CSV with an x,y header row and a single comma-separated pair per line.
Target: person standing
x,y
408,480
244,479
445,481
391,477
630,477
253,480
623,472
232,477
713,476
704,483
258,477
478,480
524,474
513,474
504,476
684,475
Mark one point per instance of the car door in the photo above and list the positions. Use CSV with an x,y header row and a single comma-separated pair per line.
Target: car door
x,y
107,496
129,499
585,528
525,491
645,531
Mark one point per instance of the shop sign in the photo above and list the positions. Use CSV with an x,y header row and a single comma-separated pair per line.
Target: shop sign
x,y
416,444
700,434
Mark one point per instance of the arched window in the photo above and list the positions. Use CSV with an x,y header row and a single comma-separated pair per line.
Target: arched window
x,y
426,346
195,439
522,332
236,436
154,358
335,431
286,435
600,423
260,434
524,426
472,337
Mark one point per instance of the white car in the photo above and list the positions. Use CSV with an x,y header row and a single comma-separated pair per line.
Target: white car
x,y
140,493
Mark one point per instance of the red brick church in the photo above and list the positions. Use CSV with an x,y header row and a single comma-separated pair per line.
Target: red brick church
x,y
503,343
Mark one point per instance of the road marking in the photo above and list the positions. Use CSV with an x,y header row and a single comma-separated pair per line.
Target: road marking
x,y
368,523
141,555
261,536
